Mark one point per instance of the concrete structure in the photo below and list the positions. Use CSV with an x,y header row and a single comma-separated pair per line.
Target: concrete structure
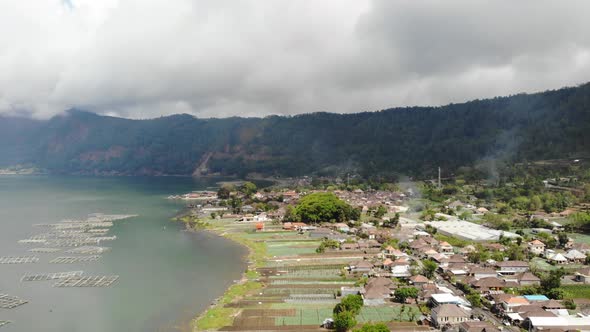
x,y
468,231
536,247
512,267
449,314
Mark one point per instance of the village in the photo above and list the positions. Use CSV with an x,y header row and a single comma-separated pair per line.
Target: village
x,y
442,267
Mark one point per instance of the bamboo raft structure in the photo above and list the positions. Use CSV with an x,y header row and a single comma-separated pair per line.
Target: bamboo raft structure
x,y
44,250
31,241
9,302
88,250
74,259
18,260
73,242
87,281
51,276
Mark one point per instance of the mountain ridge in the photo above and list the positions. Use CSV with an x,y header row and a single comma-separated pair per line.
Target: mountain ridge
x,y
403,140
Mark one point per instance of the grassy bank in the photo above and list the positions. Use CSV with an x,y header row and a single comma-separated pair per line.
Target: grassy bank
x,y
219,315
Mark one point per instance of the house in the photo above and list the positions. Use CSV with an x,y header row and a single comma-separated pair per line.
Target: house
x,y
490,284
527,279
446,298
583,275
536,247
417,244
445,248
393,252
361,267
376,294
512,267
349,246
449,314
536,298
510,303
560,323
419,280
551,305
557,259
342,227
400,268
478,272
477,326
575,256
387,263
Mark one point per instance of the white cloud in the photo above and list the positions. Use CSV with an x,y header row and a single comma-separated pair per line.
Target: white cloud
x,y
145,58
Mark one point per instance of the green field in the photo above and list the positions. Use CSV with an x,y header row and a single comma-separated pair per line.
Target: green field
x,y
576,291
541,264
581,238
290,248
368,314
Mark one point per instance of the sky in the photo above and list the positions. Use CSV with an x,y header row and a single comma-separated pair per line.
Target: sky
x,y
219,58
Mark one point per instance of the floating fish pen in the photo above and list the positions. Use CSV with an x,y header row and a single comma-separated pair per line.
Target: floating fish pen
x,y
4,322
9,302
73,242
88,250
99,231
31,241
45,250
87,281
105,238
76,259
109,217
18,260
83,225
51,276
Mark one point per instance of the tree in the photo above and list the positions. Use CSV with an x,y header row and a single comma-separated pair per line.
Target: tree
x,y
552,280
569,304
248,188
380,212
563,239
378,327
223,192
324,206
428,268
481,254
475,299
402,294
236,204
351,303
392,222
290,214
331,244
344,321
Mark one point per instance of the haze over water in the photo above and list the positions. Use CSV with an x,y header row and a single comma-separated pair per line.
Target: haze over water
x,y
166,275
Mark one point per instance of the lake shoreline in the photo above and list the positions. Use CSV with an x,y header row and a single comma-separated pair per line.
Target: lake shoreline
x,y
210,318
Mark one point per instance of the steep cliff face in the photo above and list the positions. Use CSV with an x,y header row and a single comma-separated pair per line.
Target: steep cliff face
x,y
412,141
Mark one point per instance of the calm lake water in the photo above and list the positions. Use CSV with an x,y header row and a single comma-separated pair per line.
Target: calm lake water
x,y
166,275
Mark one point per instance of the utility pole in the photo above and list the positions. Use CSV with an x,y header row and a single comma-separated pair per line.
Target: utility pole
x,y
348,179
439,185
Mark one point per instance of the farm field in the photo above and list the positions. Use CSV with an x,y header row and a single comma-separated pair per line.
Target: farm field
x,y
299,287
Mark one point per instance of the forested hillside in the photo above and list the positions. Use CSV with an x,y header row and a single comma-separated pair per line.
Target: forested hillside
x,y
412,141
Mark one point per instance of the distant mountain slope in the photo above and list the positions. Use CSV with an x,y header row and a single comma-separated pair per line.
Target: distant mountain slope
x,y
413,140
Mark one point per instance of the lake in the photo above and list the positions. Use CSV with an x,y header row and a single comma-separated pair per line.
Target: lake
x,y
166,275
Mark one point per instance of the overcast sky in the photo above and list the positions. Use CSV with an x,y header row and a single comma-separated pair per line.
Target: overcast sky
x,y
217,58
